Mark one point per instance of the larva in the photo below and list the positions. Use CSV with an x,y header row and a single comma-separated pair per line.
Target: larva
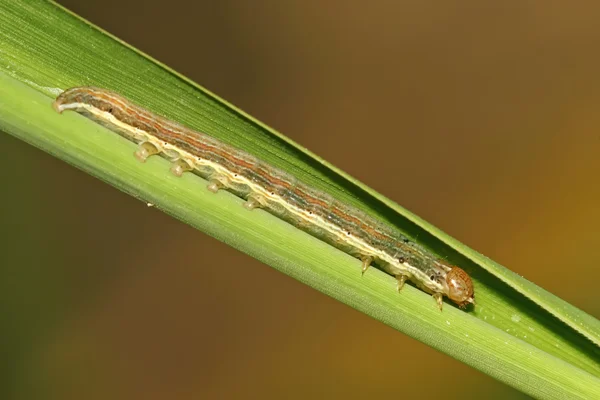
x,y
279,193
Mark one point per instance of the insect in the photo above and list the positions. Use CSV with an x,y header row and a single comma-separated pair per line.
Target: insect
x,y
277,192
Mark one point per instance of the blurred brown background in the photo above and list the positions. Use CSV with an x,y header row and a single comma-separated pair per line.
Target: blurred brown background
x,y
483,118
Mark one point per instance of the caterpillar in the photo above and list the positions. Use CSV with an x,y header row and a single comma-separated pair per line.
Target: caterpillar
x,y
278,192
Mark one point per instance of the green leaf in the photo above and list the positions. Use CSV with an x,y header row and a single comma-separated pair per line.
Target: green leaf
x,y
518,333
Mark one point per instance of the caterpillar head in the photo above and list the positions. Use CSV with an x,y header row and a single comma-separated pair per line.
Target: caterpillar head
x,y
460,287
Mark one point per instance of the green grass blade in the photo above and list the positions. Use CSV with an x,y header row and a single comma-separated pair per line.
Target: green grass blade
x,y
518,334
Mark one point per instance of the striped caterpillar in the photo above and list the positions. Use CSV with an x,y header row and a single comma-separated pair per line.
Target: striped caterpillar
x,y
278,192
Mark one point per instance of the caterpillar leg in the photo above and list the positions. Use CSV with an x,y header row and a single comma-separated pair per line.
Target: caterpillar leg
x,y
253,202
438,298
366,263
214,185
401,280
145,150
179,167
